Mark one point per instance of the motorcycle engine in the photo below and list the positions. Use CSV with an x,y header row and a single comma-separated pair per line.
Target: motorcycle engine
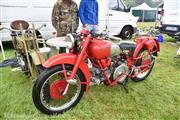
x,y
97,76
121,72
22,62
117,70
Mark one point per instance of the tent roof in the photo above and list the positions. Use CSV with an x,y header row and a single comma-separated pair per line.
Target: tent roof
x,y
143,6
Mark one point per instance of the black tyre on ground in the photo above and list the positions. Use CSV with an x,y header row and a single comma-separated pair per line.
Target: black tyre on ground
x,y
126,33
40,69
143,75
57,103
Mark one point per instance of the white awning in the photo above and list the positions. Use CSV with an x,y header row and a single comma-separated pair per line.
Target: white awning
x,y
143,6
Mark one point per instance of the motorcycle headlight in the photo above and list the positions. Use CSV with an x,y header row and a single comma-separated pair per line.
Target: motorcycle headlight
x,y
71,39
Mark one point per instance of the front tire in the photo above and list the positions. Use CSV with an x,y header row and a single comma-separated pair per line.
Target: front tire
x,y
51,101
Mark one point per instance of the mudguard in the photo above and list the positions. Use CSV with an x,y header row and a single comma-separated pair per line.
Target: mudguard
x,y
147,43
68,58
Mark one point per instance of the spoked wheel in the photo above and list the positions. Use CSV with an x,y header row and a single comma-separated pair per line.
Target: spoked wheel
x,y
51,94
143,66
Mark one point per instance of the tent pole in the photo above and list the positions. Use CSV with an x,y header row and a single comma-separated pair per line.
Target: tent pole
x,y
156,17
143,15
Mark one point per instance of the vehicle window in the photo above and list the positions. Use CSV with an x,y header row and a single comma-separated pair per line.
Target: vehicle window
x,y
121,6
113,4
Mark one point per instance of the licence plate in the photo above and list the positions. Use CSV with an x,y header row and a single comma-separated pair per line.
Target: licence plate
x,y
172,28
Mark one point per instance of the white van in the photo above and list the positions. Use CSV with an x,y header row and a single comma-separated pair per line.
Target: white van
x,y
116,17
33,11
170,19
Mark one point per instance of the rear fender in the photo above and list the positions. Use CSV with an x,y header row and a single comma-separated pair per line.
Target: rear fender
x,y
67,58
137,50
149,44
152,46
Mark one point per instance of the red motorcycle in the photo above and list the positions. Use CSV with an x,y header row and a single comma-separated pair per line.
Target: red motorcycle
x,y
91,59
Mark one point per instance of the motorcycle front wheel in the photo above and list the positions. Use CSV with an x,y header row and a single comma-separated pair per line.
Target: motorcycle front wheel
x,y
48,90
146,59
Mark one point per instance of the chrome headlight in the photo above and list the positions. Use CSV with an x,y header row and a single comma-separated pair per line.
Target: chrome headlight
x,y
71,39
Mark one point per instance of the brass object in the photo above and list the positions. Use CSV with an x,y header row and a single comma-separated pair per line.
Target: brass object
x,y
27,48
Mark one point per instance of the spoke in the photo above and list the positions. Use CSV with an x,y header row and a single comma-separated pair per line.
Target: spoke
x,y
64,70
66,89
146,63
68,93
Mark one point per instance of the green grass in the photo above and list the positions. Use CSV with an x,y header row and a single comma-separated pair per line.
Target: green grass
x,y
146,24
156,98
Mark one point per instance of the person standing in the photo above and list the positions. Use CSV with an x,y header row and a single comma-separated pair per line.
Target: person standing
x,y
88,13
65,18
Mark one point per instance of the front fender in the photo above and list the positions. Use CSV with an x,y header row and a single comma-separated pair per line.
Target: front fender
x,y
68,58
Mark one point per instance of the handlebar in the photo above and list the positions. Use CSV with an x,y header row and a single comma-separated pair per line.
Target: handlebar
x,y
12,30
43,25
5,28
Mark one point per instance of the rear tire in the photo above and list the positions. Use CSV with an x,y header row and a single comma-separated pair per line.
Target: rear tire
x,y
142,76
39,90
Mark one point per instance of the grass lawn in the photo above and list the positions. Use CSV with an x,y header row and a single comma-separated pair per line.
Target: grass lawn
x,y
156,98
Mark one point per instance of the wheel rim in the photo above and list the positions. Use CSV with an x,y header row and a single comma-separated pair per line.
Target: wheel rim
x,y
57,85
127,34
145,60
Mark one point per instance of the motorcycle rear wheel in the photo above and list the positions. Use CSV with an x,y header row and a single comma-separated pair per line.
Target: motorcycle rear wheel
x,y
143,75
50,100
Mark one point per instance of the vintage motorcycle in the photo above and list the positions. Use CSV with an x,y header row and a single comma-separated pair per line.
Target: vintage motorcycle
x,y
68,75
28,53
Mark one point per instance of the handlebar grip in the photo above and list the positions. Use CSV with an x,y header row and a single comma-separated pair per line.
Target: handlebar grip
x,y
44,25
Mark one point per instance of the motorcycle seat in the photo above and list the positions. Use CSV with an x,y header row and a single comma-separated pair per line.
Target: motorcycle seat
x,y
127,45
57,42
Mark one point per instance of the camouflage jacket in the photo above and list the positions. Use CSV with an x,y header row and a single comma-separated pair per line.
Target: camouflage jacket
x,y
65,17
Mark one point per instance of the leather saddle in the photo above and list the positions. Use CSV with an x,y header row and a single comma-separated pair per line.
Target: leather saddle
x,y
127,45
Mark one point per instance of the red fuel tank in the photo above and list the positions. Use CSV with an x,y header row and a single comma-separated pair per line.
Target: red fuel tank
x,y
99,49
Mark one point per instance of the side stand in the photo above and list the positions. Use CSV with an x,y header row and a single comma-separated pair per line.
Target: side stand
x,y
125,85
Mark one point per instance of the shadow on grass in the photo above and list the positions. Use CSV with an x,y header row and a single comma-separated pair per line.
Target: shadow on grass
x,y
8,45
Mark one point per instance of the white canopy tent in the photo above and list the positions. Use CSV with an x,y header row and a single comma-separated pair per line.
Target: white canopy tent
x,y
144,7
